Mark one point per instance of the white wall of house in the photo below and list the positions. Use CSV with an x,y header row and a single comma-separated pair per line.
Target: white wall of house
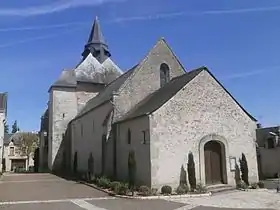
x,y
86,137
139,143
197,111
13,152
270,159
62,109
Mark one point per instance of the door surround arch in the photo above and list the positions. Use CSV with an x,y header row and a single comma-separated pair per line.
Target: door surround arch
x,y
212,137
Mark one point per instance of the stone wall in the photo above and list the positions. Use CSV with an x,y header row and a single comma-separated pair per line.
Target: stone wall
x,y
141,149
198,110
146,78
62,109
87,132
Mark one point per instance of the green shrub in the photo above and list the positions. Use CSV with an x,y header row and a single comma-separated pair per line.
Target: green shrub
x,y
103,182
154,191
242,185
115,185
237,174
121,189
166,190
201,188
191,171
244,169
182,189
254,185
261,184
131,170
145,191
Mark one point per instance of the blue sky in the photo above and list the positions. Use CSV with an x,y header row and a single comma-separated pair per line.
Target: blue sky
x,y
237,40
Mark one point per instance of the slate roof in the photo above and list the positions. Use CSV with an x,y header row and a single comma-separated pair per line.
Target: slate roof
x,y
66,79
3,102
155,100
107,93
7,138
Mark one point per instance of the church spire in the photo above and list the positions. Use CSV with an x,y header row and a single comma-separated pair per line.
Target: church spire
x,y
96,44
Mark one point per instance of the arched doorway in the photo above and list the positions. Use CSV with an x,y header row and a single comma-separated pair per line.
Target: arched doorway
x,y
215,171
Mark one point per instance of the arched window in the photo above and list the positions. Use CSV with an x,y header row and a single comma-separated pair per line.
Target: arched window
x,y
164,74
129,136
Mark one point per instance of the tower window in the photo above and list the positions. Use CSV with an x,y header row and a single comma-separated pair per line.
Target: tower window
x,y
129,136
164,74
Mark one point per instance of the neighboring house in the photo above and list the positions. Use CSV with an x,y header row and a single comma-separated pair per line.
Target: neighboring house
x,y
156,110
268,151
3,116
14,154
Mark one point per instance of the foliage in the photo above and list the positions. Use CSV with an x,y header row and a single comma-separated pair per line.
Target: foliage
x,y
15,127
121,189
29,143
115,185
244,169
103,182
242,185
131,170
261,184
154,191
166,190
254,185
6,127
237,174
182,189
183,176
201,188
145,191
191,171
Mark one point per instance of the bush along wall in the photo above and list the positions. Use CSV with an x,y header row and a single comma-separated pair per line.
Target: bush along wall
x,y
191,171
244,169
131,171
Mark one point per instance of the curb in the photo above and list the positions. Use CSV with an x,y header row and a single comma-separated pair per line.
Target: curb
x,y
146,197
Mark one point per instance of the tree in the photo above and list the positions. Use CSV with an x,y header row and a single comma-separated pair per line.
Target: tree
x,y
29,143
244,169
6,127
15,127
131,170
191,172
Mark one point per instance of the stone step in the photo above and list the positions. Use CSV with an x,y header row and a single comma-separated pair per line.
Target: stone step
x,y
221,188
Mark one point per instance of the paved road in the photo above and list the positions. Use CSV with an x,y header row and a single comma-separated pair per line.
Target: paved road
x,y
48,192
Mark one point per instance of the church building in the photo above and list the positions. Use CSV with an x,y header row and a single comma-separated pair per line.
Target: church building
x,y
156,110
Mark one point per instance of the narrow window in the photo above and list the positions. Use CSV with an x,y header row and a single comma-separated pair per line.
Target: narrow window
x,y
12,151
63,115
164,74
129,136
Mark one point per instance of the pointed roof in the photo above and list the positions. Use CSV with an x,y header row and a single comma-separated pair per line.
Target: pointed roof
x,y
96,36
96,44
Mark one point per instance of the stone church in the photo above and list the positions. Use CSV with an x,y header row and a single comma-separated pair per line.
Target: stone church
x,y
156,109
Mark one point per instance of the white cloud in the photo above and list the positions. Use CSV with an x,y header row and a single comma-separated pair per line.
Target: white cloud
x,y
59,6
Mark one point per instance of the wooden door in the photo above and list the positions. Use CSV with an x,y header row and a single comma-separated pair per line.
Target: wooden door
x,y
213,163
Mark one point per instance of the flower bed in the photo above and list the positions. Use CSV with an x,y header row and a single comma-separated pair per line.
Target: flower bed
x,y
122,189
